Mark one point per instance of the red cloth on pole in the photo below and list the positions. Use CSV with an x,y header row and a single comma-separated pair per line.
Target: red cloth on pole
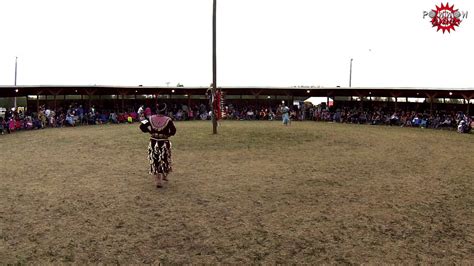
x,y
217,105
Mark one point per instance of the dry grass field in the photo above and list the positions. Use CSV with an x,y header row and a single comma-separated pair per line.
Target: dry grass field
x,y
256,193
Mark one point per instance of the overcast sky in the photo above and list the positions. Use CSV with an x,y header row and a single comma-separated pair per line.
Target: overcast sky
x,y
260,42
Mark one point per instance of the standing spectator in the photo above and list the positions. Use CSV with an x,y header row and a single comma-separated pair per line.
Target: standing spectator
x,y
11,124
141,113
148,113
285,115
80,113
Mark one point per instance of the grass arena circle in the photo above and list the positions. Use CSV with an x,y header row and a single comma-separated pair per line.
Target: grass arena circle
x,y
257,192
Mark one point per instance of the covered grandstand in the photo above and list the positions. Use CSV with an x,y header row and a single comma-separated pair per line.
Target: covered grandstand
x,y
119,97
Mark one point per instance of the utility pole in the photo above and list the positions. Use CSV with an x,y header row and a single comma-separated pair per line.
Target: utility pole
x,y
214,69
16,64
350,74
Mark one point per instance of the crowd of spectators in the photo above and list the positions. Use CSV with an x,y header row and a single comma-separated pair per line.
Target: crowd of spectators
x,y
383,116
76,114
71,116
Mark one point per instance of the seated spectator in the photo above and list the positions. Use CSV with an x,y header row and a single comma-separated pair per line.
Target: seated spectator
x,y
464,127
103,118
203,116
18,124
424,122
171,115
125,117
3,126
113,118
121,118
263,114
394,120
37,123
134,116
236,114
435,121
363,118
377,120
446,122
52,119
179,115
90,119
293,115
337,116
28,123
271,115
416,122
190,114
70,120
250,115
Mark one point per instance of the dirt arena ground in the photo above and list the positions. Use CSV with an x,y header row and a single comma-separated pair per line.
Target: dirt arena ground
x,y
256,193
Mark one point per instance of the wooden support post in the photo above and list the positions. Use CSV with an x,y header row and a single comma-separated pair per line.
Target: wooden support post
x,y
256,94
89,96
122,94
431,105
431,98
55,94
395,95
467,98
37,103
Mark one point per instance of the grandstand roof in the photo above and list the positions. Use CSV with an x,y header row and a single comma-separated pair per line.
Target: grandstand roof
x,y
23,90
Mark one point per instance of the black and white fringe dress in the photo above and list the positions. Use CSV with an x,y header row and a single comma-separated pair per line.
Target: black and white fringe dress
x,y
159,149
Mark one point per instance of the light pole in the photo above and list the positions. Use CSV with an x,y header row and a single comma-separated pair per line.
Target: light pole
x,y
214,68
350,73
16,64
